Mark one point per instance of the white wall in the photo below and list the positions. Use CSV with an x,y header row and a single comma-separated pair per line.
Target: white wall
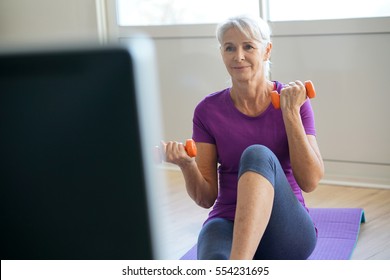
x,y
349,69
350,72
189,69
36,22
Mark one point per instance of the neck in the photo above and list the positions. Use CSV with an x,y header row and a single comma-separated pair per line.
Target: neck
x,y
252,99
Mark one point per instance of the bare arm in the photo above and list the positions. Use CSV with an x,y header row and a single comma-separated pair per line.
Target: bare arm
x,y
200,174
305,156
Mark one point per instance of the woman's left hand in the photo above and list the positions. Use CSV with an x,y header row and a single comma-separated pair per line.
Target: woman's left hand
x,y
292,96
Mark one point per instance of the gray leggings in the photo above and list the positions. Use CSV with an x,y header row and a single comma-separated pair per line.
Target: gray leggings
x,y
290,233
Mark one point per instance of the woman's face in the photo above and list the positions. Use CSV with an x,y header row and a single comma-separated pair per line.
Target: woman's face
x,y
244,58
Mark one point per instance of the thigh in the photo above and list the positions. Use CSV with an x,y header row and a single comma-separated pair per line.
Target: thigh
x,y
290,233
215,240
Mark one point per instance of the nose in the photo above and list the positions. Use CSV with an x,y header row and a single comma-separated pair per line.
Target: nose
x,y
240,56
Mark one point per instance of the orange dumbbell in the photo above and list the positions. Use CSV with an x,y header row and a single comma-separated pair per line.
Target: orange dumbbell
x,y
189,146
310,92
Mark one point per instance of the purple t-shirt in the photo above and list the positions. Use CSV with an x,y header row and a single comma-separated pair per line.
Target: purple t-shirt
x,y
217,121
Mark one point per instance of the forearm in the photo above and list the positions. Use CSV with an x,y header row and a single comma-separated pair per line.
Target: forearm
x,y
203,192
200,174
306,161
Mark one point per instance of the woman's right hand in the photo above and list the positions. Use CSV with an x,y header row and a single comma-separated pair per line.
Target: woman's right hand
x,y
174,152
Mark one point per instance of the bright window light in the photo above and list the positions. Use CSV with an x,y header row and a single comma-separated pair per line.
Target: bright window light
x,y
287,10
174,12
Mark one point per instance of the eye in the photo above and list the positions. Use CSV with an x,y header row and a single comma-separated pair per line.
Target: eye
x,y
249,47
229,48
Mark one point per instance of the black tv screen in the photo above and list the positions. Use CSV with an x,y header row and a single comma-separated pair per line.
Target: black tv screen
x,y
72,178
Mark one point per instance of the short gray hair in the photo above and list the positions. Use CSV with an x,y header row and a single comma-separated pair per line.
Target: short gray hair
x,y
252,27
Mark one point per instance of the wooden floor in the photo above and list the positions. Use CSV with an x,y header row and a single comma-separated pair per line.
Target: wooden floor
x,y
186,218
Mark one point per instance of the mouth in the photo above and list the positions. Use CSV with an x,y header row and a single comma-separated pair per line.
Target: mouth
x,y
240,67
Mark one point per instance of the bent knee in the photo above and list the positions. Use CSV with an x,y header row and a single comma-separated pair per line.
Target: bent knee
x,y
257,158
256,153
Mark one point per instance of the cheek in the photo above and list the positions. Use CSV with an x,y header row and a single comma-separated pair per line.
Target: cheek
x,y
260,59
227,61
225,58
264,55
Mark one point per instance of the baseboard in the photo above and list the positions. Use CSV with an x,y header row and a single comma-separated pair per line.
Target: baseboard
x,y
342,174
368,175
352,183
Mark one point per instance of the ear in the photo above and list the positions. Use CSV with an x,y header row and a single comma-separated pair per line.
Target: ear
x,y
267,53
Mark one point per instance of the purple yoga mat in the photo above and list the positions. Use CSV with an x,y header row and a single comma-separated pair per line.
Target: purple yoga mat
x,y
338,230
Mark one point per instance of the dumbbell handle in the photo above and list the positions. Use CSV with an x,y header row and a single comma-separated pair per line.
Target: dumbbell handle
x,y
310,92
190,148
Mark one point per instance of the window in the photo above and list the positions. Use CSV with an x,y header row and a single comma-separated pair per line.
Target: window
x,y
197,18
177,12
287,10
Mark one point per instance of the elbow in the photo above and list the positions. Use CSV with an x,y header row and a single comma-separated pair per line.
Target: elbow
x,y
312,183
205,203
309,188
207,197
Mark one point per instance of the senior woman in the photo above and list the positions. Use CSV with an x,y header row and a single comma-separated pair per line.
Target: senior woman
x,y
253,161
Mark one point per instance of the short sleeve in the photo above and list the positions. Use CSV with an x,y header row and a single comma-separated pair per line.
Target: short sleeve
x,y
201,131
307,116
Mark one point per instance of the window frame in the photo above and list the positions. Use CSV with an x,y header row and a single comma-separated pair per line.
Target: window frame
x,y
110,31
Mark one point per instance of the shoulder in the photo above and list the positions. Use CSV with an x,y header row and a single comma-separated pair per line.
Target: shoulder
x,y
213,100
216,96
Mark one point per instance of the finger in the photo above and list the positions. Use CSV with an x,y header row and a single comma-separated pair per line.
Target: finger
x,y
181,148
163,145
302,87
175,148
298,82
168,148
